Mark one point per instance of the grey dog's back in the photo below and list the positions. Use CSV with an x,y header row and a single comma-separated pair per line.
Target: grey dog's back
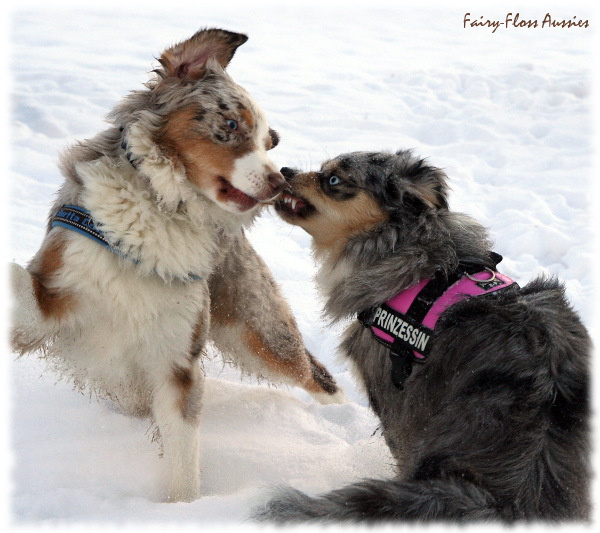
x,y
505,437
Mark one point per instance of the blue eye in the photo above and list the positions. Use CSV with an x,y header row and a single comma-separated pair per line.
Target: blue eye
x,y
334,180
232,124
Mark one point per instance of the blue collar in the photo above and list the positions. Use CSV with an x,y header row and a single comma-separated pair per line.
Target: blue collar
x,y
80,220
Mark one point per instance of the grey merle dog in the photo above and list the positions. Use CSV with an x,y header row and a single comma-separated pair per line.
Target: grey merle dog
x,y
493,423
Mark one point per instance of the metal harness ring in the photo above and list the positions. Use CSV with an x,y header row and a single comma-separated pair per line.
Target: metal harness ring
x,y
486,268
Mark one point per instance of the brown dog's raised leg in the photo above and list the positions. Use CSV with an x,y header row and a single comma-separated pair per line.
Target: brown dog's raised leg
x,y
252,323
38,306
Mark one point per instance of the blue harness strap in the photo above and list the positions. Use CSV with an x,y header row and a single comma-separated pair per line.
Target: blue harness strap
x,y
80,220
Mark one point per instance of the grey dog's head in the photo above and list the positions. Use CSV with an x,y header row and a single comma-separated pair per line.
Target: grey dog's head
x,y
380,222
354,192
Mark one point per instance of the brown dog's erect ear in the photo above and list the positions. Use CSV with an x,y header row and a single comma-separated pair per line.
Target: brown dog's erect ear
x,y
187,60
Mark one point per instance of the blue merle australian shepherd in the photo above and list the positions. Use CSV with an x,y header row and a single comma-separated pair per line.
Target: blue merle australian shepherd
x,y
481,386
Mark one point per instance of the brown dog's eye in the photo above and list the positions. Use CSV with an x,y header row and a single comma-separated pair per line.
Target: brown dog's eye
x,y
334,180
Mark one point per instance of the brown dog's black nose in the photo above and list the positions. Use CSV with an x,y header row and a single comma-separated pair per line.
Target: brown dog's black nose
x,y
276,181
288,173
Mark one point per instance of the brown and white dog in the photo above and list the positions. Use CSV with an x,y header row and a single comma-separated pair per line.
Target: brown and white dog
x,y
145,259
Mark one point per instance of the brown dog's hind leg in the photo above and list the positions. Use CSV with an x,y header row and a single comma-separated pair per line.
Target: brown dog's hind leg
x,y
252,323
37,305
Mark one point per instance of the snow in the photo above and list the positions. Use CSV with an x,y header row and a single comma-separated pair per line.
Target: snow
x,y
508,115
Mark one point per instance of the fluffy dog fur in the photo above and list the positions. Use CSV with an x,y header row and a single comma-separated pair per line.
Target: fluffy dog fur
x,y
172,183
494,425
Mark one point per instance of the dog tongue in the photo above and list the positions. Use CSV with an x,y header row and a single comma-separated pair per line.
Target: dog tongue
x,y
237,196
300,204
240,198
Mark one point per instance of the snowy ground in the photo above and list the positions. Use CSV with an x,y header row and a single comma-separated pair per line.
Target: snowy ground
x,y
508,115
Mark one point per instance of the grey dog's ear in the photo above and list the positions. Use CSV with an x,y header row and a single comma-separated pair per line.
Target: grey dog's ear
x,y
420,185
430,188
187,60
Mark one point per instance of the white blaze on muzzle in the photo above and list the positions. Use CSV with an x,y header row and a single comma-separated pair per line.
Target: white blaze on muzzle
x,y
251,174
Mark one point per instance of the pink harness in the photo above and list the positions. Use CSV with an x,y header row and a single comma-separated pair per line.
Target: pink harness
x,y
406,322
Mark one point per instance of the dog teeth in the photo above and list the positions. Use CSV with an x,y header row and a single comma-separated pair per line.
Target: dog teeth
x,y
291,201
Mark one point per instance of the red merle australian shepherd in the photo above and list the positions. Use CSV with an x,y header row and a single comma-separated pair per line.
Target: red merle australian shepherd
x,y
145,259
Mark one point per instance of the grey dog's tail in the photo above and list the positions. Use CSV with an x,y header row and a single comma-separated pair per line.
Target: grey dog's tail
x,y
382,500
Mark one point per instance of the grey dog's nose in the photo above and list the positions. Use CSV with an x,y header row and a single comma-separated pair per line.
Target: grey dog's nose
x,y
288,172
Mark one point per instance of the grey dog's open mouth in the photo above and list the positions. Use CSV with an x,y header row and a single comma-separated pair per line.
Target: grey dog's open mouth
x,y
288,204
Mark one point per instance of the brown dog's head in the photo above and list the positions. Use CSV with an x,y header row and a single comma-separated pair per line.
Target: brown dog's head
x,y
355,192
196,126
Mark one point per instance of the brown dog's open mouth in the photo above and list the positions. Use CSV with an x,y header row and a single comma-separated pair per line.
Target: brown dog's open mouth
x,y
229,192
288,204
